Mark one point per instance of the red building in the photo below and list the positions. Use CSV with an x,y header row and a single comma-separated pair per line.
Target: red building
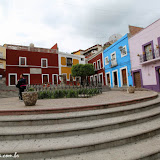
x,y
97,61
39,65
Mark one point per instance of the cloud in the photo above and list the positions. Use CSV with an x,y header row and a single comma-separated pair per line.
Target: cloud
x,y
72,24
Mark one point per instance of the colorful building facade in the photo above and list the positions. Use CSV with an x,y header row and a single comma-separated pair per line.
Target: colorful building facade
x,y
2,57
145,57
97,61
66,61
117,67
39,65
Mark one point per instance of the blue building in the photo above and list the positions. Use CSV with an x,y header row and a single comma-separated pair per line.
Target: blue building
x,y
117,64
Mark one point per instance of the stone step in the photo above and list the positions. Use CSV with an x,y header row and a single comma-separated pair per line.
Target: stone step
x,y
7,93
77,128
147,149
60,146
81,116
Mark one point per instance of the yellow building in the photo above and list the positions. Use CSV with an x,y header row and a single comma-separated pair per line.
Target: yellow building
x,y
79,52
2,57
65,64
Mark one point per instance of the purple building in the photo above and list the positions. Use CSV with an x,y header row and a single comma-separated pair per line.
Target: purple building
x,y
145,57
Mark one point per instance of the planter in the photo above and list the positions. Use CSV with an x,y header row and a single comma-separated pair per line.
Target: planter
x,y
30,98
130,89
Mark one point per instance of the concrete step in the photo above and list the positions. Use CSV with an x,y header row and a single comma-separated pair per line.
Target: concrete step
x,y
81,116
10,88
105,88
77,128
8,93
147,149
60,146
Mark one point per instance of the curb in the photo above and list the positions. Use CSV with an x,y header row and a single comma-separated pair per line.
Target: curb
x,y
80,108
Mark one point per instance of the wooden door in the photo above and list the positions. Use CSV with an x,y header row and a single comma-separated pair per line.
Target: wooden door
x,y
45,79
55,78
100,78
115,79
108,80
137,80
124,77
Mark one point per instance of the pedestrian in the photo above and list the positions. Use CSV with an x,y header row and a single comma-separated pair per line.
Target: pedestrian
x,y
21,85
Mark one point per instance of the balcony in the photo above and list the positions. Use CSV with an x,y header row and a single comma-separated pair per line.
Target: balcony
x,y
69,64
150,57
113,63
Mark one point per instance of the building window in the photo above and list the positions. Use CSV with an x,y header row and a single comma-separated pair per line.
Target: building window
x,y
64,78
113,59
123,51
94,64
106,61
45,78
27,77
22,61
12,79
148,52
1,55
55,79
99,64
1,65
69,62
44,63
82,59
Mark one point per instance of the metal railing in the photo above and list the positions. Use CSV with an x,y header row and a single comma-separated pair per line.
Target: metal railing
x,y
149,55
87,90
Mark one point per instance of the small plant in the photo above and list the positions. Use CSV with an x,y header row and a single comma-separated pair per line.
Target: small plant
x,y
30,89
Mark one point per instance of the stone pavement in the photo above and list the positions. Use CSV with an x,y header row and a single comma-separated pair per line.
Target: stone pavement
x,y
104,98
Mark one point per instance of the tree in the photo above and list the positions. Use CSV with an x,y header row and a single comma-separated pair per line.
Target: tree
x,y
82,70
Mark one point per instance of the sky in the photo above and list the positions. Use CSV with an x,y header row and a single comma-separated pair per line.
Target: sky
x,y
73,24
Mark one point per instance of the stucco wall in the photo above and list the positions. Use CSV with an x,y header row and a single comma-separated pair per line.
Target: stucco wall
x,y
152,32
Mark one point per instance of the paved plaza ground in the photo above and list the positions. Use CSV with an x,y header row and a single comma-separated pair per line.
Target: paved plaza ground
x,y
104,98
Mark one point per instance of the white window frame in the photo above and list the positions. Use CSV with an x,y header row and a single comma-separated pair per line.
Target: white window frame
x,y
113,77
66,76
99,78
105,60
15,74
121,75
53,78
126,51
94,78
115,56
45,75
109,78
20,61
94,66
98,67
46,62
1,64
28,77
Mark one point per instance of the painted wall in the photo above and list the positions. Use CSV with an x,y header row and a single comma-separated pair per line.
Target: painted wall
x,y
121,61
100,71
33,61
3,51
63,68
150,33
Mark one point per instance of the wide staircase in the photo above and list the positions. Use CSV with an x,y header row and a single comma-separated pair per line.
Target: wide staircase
x,y
129,132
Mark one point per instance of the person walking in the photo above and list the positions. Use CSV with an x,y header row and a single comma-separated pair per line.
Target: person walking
x,y
21,85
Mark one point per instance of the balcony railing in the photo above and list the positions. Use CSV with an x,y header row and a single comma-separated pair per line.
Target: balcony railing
x,y
150,56
114,63
28,48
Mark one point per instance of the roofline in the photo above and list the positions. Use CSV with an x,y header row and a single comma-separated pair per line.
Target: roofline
x,y
145,28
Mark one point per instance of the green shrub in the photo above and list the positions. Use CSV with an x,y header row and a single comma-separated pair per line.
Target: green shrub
x,y
30,89
72,94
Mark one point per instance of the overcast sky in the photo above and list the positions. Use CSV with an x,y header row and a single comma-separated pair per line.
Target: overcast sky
x,y
73,24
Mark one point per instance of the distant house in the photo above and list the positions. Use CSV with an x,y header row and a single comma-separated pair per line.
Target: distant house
x,y
39,65
2,57
145,57
66,61
94,56
117,67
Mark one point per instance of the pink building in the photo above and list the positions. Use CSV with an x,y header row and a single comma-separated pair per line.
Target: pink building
x,y
145,57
